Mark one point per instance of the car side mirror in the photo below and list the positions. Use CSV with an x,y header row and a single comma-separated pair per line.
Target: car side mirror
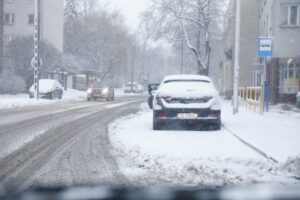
x,y
153,92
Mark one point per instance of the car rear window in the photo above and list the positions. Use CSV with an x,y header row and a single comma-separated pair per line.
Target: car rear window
x,y
98,85
201,81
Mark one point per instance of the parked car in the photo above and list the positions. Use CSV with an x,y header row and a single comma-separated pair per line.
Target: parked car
x,y
133,87
186,98
152,88
100,91
48,88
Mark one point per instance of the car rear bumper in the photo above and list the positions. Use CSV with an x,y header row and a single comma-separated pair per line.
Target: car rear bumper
x,y
173,114
97,96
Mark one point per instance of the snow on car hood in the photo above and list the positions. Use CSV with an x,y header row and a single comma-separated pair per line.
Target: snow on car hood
x,y
187,89
45,86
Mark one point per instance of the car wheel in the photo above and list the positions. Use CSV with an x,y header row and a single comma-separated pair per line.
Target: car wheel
x,y
150,102
60,96
156,124
113,98
218,124
88,99
52,95
94,98
107,98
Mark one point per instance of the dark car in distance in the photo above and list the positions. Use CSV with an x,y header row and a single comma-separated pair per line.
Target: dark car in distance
x,y
100,91
152,88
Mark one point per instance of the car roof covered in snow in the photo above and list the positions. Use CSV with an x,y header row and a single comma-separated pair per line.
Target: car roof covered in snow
x,y
186,77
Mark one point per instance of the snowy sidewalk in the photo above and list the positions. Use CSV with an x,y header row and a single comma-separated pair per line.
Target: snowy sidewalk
x,y
276,133
208,157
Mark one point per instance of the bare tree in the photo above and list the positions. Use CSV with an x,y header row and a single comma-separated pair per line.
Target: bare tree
x,y
190,18
98,38
145,32
19,55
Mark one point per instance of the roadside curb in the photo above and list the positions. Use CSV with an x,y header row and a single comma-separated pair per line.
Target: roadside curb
x,y
251,146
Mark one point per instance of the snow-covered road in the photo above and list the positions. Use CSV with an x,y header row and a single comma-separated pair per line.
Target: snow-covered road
x,y
205,158
76,142
64,143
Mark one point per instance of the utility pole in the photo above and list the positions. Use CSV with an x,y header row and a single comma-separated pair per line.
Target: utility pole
x,y
133,54
236,58
182,70
36,58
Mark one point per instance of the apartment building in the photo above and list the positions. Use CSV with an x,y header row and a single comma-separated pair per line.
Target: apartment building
x,y
19,20
1,34
280,19
248,44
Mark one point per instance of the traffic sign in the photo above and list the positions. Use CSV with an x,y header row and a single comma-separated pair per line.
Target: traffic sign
x,y
265,47
33,63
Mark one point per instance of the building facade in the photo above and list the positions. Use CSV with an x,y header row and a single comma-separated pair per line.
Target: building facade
x,y
248,44
19,20
280,20
1,35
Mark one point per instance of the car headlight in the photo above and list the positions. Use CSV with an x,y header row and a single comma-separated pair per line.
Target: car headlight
x,y
89,91
105,91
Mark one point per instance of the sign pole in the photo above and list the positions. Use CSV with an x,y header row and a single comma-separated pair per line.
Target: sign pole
x,y
236,57
265,50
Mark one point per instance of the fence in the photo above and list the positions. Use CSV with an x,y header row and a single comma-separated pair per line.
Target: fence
x,y
251,98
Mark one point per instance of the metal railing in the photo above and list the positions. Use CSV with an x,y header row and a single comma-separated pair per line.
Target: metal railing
x,y
251,98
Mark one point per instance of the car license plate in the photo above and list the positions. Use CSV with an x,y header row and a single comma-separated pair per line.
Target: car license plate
x,y
187,115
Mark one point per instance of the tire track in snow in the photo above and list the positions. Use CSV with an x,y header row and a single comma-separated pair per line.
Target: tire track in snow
x,y
18,167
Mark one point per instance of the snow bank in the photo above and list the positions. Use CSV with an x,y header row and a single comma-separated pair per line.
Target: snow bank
x,y
19,100
191,158
120,92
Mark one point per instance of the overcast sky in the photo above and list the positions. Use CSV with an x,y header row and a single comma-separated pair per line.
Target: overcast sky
x,y
131,9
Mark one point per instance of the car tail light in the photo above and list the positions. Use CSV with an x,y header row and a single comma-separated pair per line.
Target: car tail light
x,y
165,97
212,115
161,116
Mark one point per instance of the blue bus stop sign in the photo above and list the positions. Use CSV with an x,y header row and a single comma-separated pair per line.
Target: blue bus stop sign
x,y
265,47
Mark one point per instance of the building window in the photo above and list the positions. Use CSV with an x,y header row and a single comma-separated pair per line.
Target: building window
x,y
289,75
9,18
298,71
7,38
294,15
31,19
290,15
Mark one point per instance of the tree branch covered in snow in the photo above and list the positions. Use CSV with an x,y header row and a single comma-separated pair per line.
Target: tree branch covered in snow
x,y
192,19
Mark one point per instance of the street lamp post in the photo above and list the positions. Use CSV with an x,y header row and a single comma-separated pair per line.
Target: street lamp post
x,y
236,57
